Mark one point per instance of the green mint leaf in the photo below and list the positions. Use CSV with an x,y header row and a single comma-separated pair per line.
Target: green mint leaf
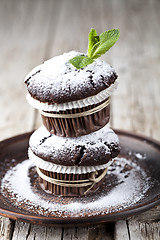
x,y
81,61
94,48
97,45
93,39
106,41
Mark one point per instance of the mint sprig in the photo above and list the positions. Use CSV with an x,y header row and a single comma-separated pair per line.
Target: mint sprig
x,y
97,46
81,61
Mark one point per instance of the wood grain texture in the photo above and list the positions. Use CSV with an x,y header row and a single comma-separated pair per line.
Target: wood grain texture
x,y
152,215
24,37
25,231
26,31
33,31
121,230
139,90
144,231
139,87
6,228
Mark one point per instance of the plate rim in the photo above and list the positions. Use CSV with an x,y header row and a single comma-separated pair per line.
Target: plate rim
x,y
80,221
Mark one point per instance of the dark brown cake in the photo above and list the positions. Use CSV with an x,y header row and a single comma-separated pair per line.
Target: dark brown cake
x,y
60,92
58,81
70,191
62,160
77,126
94,149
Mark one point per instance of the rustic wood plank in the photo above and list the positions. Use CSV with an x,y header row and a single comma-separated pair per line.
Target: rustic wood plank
x,y
21,231
135,106
25,231
121,230
139,88
82,17
144,230
149,216
74,233
24,37
101,232
26,30
6,228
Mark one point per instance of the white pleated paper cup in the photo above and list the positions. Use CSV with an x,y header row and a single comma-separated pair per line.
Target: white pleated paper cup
x,y
76,118
96,99
52,167
51,174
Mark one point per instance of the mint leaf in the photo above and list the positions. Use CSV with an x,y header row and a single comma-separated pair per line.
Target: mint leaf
x,y
97,45
93,39
81,61
107,40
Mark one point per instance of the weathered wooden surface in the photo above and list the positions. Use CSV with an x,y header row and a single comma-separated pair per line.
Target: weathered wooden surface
x,y
32,31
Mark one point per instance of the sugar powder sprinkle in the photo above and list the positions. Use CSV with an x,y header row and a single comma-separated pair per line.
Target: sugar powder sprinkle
x,y
132,185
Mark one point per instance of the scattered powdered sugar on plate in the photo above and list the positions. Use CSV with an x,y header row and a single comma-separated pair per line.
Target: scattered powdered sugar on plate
x,y
131,186
140,156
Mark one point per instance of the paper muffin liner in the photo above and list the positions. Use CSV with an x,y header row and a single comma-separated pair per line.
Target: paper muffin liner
x,y
65,124
68,180
52,167
101,96
72,126
69,190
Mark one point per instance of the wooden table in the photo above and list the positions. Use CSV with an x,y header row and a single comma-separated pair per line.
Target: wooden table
x,y
33,31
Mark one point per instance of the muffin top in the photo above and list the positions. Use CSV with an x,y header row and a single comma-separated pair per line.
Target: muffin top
x,y
96,148
58,81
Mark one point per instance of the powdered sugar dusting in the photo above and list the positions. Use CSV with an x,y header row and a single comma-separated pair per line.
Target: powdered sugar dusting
x,y
41,142
57,80
131,185
59,71
48,166
140,156
101,96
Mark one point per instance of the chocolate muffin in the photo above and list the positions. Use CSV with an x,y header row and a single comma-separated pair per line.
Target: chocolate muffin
x,y
73,102
73,166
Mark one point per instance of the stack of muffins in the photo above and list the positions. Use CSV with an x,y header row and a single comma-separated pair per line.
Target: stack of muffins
x,y
74,148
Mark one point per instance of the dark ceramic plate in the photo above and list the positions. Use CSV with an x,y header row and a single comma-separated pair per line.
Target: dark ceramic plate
x,y
139,175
